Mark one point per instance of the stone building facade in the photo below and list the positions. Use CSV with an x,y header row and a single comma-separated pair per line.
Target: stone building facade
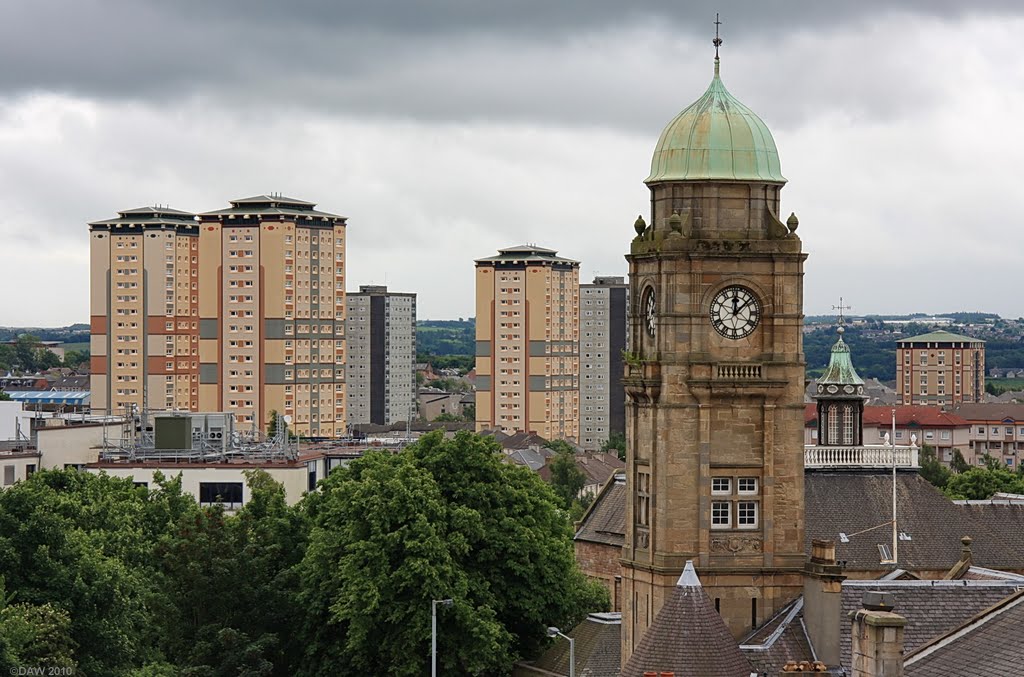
x,y
715,374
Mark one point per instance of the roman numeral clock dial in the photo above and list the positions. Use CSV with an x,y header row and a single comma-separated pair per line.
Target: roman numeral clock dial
x,y
650,312
735,312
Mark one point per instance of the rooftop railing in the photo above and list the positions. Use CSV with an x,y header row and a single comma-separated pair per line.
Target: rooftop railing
x,y
866,456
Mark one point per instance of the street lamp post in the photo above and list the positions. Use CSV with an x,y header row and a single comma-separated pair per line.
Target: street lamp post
x,y
553,632
433,632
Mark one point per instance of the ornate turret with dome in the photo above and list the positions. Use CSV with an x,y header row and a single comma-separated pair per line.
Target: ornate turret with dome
x,y
840,396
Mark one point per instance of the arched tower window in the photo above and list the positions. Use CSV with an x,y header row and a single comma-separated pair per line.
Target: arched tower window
x,y
848,424
834,419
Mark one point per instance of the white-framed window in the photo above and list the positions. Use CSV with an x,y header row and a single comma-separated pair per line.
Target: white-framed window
x,y
721,486
944,435
746,485
746,514
720,514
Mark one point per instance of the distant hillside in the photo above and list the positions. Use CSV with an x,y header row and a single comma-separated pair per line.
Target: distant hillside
x,y
446,337
74,333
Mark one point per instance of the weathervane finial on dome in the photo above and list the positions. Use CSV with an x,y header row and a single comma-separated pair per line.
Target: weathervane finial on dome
x,y
717,41
842,320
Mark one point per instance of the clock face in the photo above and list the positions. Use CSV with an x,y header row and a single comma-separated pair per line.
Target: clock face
x,y
650,308
735,312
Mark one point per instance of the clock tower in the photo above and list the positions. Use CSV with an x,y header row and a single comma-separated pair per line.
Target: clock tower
x,y
715,378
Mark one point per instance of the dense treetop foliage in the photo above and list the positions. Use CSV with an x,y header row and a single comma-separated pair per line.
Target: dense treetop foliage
x,y
122,580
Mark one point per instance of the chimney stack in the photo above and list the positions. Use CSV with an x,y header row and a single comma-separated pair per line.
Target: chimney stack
x,y
823,593
877,637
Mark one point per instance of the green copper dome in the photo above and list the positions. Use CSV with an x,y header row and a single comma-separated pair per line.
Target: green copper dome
x,y
840,369
716,138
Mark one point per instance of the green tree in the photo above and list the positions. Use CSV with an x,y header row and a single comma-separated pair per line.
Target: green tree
x,y
76,358
77,542
8,359
444,518
560,447
25,352
932,469
230,585
616,443
46,359
982,483
566,478
958,464
34,635
4,397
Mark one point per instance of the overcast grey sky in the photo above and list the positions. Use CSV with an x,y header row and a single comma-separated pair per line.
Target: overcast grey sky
x,y
448,129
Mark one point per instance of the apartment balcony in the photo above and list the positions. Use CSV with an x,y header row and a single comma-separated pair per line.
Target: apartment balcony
x,y
866,456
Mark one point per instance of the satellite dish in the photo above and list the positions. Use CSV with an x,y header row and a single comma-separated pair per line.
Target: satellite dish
x,y
287,419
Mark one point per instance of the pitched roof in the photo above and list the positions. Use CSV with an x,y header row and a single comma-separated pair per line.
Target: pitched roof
x,y
906,416
782,639
988,643
688,637
598,466
598,650
605,519
931,608
532,459
940,337
852,502
991,411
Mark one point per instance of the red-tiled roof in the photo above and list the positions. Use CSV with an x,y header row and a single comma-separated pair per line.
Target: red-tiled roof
x,y
906,416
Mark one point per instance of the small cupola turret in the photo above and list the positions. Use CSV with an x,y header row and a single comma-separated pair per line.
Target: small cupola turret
x,y
840,397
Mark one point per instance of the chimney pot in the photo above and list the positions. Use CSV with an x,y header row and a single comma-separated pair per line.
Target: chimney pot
x,y
877,600
651,674
668,674
823,551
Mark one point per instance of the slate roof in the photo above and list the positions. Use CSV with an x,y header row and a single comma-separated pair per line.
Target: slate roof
x,y
932,608
605,519
596,466
782,639
987,644
532,459
688,637
991,411
851,502
934,523
598,650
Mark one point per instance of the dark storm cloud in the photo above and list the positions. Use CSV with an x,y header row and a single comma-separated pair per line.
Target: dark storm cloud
x,y
441,60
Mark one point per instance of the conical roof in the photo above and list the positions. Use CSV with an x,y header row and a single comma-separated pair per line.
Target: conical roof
x,y
840,369
688,637
716,138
